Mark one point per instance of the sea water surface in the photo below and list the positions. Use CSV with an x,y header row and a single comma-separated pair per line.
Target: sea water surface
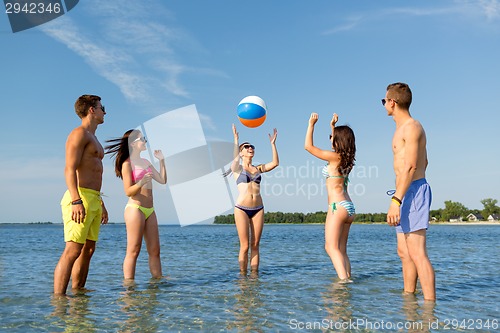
x,y
296,289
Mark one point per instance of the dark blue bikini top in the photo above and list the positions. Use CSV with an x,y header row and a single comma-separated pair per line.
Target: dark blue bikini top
x,y
246,177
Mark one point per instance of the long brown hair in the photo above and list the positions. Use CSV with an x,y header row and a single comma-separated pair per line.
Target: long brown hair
x,y
344,143
119,149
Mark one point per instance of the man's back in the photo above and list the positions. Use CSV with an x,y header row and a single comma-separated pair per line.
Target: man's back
x,y
409,148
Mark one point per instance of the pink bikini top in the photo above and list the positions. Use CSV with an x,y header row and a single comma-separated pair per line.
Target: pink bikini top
x,y
138,172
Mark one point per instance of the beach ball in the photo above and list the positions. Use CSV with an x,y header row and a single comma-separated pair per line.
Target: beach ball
x,y
252,111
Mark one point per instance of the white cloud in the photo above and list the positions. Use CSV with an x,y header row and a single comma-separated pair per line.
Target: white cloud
x,y
491,8
110,62
351,23
207,122
131,45
488,8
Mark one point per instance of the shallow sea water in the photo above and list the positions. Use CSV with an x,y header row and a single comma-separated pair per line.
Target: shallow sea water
x,y
296,289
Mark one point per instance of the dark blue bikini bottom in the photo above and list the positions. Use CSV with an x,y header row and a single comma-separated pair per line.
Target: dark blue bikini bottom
x,y
251,211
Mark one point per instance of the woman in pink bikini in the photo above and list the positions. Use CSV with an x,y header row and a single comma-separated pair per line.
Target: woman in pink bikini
x,y
341,210
140,218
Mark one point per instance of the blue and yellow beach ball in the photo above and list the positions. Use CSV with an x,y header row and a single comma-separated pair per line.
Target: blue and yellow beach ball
x,y
252,111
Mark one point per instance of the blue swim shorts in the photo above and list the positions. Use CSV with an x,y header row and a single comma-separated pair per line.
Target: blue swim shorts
x,y
415,207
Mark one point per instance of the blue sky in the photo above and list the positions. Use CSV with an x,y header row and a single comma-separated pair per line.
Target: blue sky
x,y
146,58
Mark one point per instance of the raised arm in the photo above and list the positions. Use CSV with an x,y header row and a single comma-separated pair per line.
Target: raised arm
x,y
276,161
235,165
309,144
160,177
334,120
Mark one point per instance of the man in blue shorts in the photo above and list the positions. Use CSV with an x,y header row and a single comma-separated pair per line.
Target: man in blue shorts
x,y
410,205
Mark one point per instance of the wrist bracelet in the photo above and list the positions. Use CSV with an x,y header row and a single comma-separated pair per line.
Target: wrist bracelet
x,y
77,202
396,200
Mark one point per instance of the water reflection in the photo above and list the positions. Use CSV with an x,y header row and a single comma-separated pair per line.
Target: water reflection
x,y
139,307
248,309
419,318
73,312
337,303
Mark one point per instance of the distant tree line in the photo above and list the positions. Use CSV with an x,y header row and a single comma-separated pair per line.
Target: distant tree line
x,y
279,217
297,218
454,209
451,209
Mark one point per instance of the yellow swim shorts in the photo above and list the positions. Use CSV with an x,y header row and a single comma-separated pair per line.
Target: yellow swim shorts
x,y
89,229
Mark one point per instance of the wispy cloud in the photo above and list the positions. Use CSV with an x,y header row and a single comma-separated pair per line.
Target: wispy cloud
x,y
207,122
350,24
488,8
110,62
491,8
131,44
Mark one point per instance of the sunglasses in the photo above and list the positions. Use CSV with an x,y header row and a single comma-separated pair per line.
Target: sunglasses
x,y
389,99
143,139
102,108
248,146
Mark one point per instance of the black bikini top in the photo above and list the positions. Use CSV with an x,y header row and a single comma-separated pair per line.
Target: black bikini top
x,y
247,177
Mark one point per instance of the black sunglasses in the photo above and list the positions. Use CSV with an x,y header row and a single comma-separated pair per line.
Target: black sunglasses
x,y
389,99
249,146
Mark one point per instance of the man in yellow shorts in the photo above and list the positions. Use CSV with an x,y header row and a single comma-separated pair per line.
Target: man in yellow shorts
x,y
82,207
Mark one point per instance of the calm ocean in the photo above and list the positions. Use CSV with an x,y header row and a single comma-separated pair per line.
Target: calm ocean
x,y
295,291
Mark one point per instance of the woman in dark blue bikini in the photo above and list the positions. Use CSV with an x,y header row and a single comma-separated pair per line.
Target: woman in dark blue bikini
x,y
341,209
249,208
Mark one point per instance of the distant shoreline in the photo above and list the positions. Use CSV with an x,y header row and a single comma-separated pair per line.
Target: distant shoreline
x,y
316,223
443,223
469,223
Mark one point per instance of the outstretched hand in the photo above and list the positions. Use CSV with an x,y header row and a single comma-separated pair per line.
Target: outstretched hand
x,y
335,118
159,154
235,133
313,119
272,138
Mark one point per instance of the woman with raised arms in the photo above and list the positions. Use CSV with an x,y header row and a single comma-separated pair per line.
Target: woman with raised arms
x,y
249,208
340,161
